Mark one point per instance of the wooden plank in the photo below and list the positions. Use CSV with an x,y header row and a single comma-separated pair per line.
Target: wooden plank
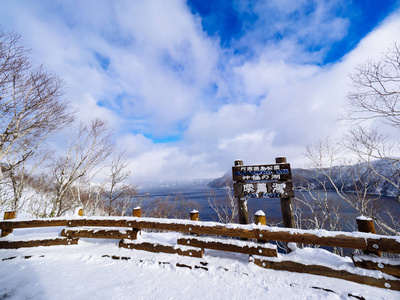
x,y
97,222
243,211
37,243
192,227
303,236
8,215
157,248
389,266
262,172
383,244
367,225
328,272
99,233
338,239
32,223
332,239
264,189
229,245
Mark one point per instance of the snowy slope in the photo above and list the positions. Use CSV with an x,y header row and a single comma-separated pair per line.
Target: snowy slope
x,y
87,271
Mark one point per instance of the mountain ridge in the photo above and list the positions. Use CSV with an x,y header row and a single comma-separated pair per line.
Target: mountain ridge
x,y
347,178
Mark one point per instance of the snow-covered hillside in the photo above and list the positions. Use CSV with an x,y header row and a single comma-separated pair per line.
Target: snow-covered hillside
x,y
98,269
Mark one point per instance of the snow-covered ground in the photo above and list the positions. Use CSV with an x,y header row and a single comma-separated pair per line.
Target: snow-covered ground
x,y
88,271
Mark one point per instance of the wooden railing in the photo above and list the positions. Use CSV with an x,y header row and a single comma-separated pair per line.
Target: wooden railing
x,y
352,240
260,234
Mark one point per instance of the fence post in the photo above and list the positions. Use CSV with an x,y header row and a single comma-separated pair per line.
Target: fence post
x,y
8,215
194,215
259,219
286,203
137,212
365,224
242,202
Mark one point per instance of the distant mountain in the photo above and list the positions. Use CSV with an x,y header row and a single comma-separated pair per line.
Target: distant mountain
x,y
178,183
225,180
353,177
347,178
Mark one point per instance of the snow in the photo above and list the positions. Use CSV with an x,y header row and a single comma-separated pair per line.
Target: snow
x,y
33,234
260,213
87,271
364,218
293,231
321,257
235,242
377,259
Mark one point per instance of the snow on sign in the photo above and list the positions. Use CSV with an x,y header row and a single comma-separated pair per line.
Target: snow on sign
x,y
266,189
262,172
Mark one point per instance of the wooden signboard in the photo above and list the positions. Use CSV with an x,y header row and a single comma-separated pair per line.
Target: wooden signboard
x,y
265,189
262,172
264,181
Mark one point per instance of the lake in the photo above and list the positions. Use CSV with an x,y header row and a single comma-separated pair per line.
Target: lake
x,y
271,207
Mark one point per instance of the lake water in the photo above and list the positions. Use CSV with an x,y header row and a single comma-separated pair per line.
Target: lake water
x,y
271,207
197,194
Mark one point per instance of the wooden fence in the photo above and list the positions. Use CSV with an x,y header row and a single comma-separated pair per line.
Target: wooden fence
x,y
253,240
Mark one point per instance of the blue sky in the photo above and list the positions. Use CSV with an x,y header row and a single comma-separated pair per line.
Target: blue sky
x,y
190,86
230,20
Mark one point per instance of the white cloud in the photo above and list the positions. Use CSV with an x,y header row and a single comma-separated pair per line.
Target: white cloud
x,y
159,60
148,68
151,162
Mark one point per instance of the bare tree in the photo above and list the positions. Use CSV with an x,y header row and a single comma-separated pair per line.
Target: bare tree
x,y
226,208
42,192
376,97
87,150
377,90
316,209
177,207
370,146
23,164
31,107
90,194
354,183
374,100
362,162
119,193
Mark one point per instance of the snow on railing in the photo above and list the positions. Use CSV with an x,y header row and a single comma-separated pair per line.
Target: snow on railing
x,y
352,240
385,272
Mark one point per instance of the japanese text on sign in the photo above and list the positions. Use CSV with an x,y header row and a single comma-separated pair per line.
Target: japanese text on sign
x,y
263,172
267,189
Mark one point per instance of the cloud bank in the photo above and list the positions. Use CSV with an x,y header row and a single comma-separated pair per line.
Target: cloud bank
x,y
186,103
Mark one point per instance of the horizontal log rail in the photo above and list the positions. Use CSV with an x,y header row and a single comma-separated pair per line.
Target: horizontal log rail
x,y
15,223
37,243
389,266
356,240
352,240
100,234
151,247
224,245
320,270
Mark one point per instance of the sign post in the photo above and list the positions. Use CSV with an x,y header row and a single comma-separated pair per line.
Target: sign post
x,y
242,201
286,201
264,181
